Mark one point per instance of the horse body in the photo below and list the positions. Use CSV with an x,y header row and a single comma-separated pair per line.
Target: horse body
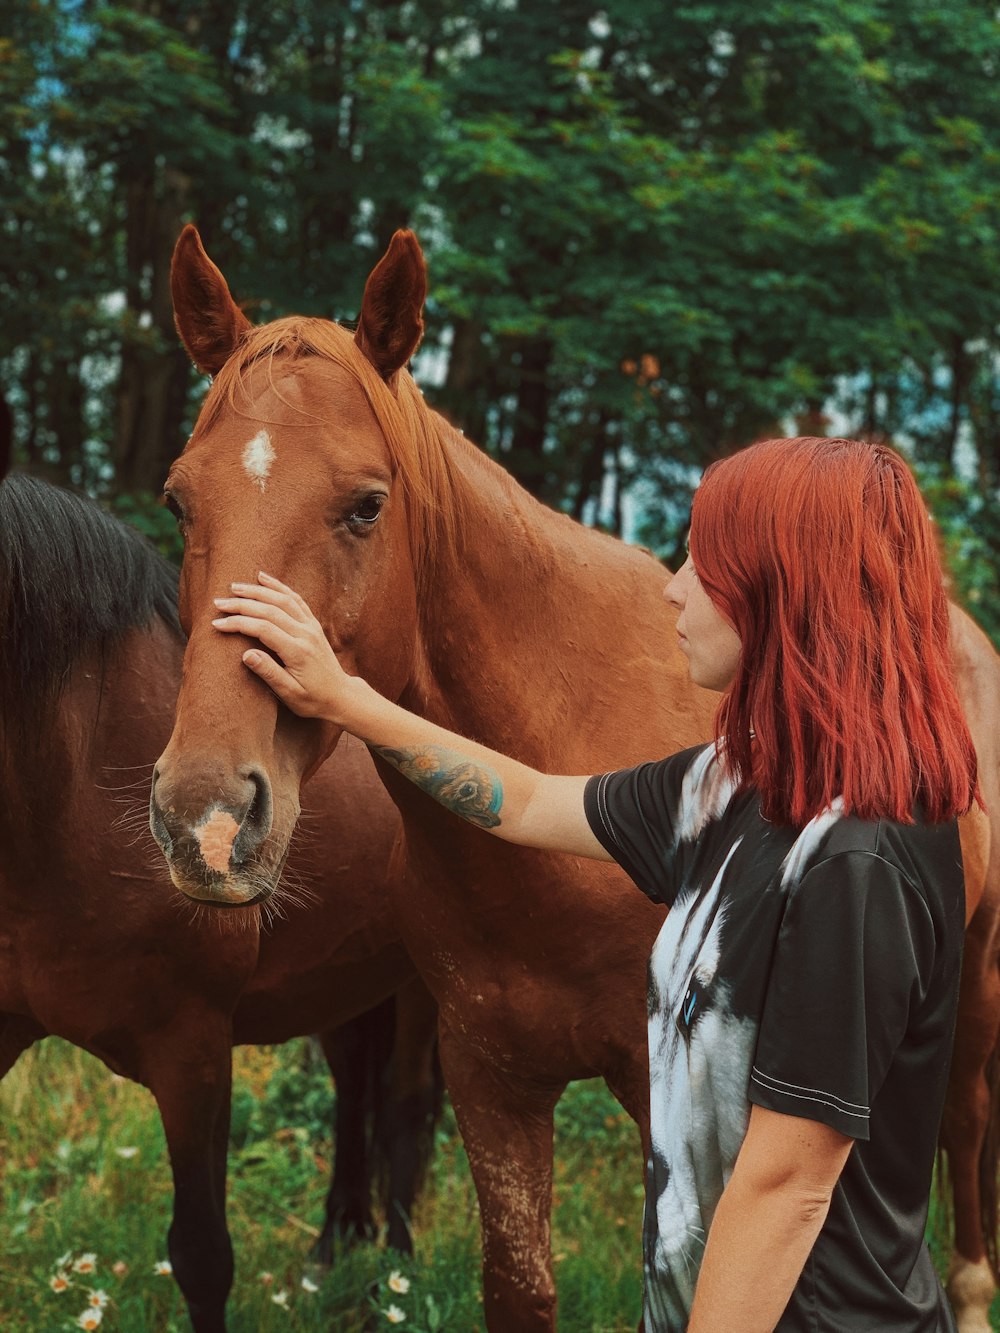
x,y
449,588
970,1128
95,944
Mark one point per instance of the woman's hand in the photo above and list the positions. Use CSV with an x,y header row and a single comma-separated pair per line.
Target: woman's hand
x,y
308,679
485,788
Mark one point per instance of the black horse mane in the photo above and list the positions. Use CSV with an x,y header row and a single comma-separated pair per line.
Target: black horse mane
x,y
73,579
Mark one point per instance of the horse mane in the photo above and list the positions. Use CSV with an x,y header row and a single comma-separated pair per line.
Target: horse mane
x,y
419,440
73,579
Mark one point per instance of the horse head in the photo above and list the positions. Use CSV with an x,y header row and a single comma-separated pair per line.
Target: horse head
x,y
303,462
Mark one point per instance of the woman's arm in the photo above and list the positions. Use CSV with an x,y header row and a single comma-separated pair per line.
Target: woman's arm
x,y
767,1222
487,789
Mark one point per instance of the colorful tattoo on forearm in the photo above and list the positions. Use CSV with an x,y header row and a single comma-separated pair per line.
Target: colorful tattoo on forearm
x,y
470,790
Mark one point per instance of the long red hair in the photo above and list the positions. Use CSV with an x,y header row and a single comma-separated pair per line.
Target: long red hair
x,y
822,556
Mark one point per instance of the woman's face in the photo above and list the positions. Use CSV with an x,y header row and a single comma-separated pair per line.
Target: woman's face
x,y
707,639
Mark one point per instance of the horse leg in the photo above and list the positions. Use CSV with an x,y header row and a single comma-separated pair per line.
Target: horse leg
x,y
507,1131
413,1109
964,1130
356,1053
188,1069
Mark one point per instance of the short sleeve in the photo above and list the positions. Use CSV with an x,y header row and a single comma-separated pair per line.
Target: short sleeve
x,y
634,814
852,962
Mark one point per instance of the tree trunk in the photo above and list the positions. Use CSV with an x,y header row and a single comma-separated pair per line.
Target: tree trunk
x,y
592,466
464,394
959,383
527,460
154,378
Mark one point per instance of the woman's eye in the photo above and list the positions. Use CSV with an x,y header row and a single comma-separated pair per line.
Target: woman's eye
x,y
368,510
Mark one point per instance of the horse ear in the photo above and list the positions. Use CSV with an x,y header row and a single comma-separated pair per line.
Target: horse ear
x,y
392,321
208,319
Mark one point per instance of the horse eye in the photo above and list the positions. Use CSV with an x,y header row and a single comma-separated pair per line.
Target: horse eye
x,y
173,504
368,510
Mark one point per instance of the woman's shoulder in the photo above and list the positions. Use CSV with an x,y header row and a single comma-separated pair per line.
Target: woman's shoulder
x,y
926,856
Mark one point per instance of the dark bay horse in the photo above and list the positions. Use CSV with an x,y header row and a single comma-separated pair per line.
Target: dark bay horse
x,y
95,943
450,589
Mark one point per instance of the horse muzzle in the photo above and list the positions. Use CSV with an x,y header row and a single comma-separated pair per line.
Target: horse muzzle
x,y
215,850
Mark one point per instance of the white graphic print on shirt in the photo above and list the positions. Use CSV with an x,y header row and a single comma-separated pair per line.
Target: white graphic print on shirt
x,y
700,1056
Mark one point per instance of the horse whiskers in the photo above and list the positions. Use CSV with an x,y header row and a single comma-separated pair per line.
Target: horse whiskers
x,y
133,809
141,784
134,822
230,921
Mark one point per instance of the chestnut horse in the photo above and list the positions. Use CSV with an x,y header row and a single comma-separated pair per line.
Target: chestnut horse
x,y
450,589
93,944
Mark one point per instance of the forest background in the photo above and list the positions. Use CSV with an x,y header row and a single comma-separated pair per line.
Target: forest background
x,y
654,231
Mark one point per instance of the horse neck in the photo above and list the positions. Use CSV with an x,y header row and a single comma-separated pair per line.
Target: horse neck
x,y
532,621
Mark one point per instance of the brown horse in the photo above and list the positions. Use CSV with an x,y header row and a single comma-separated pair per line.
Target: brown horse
x,y
94,945
438,579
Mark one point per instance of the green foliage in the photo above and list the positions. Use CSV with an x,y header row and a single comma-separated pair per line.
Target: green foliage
x,y
149,515
653,233
66,1187
970,532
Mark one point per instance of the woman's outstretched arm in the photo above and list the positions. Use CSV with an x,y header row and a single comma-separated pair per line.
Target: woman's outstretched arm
x,y
507,798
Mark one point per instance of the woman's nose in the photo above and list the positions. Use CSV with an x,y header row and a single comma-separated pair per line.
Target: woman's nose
x,y
674,593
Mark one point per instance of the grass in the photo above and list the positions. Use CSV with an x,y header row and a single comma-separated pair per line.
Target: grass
x,y
83,1169
65,1186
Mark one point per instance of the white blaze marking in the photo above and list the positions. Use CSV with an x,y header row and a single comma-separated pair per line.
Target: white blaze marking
x,y
258,457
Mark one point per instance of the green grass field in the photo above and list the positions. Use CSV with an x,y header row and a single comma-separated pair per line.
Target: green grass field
x,y
84,1172
71,1183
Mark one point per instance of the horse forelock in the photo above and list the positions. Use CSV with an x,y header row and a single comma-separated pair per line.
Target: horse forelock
x,y
415,436
73,580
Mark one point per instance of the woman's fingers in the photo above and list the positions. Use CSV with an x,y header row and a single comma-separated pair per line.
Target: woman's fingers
x,y
269,634
284,685
279,589
274,593
308,673
248,606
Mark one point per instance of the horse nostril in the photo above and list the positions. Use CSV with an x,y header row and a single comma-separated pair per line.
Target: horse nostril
x,y
157,824
257,821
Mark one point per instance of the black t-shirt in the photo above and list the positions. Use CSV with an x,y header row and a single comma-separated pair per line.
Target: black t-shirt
x,y
812,971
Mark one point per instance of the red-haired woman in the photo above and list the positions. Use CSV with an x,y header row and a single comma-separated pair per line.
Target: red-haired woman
x,y
803,987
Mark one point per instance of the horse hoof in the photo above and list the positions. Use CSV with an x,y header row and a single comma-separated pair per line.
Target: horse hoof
x,y
971,1290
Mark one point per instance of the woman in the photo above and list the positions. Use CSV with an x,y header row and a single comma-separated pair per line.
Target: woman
x,y
803,988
